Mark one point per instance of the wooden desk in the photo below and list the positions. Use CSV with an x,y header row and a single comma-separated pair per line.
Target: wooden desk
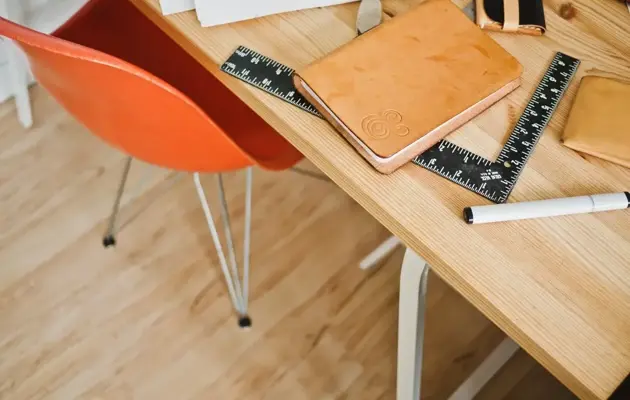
x,y
559,287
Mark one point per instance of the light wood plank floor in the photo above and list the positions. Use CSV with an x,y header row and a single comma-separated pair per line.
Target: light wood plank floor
x,y
150,319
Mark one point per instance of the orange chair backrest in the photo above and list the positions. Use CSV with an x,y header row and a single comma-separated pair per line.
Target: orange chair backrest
x,y
126,106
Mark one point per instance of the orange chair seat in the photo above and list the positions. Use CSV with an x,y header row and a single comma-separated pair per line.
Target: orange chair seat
x,y
117,28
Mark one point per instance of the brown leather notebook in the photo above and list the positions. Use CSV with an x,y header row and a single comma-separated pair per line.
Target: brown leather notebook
x,y
404,85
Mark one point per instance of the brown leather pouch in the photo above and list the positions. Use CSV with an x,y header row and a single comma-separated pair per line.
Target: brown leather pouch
x,y
517,16
599,123
398,89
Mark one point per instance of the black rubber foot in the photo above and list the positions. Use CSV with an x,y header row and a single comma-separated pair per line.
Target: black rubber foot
x,y
245,322
109,241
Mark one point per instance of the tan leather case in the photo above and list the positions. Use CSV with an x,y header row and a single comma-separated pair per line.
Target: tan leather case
x,y
599,122
400,88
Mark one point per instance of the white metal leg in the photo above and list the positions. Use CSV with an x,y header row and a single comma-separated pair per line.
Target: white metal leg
x,y
249,178
18,70
411,316
227,229
17,65
411,310
488,368
382,251
237,288
110,235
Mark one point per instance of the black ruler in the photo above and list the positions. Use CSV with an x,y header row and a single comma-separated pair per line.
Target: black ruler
x,y
268,75
491,179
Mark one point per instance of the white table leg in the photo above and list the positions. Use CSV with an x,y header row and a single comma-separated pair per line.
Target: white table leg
x,y
18,71
411,315
17,64
411,310
380,252
488,368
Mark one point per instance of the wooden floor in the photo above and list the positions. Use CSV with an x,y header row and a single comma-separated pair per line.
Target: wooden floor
x,y
150,319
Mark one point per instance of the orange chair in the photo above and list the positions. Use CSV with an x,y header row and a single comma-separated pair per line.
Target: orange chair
x,y
133,86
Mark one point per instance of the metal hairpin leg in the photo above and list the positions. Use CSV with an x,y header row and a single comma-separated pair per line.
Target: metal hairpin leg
x,y
110,236
225,216
249,178
237,289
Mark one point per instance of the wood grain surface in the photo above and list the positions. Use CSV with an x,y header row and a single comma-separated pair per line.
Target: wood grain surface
x,y
151,318
560,287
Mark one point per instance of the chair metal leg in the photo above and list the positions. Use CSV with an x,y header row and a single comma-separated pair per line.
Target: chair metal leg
x,y
110,235
238,290
411,311
227,229
247,238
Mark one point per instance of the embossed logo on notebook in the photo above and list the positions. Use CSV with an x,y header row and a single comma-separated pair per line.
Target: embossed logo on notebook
x,y
380,126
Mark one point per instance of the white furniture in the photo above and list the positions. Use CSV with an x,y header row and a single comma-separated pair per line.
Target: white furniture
x,y
412,304
411,310
15,77
383,250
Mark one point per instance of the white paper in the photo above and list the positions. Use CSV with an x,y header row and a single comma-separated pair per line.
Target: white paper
x,y
217,12
175,6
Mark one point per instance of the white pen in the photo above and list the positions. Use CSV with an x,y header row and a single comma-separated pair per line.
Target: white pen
x,y
547,208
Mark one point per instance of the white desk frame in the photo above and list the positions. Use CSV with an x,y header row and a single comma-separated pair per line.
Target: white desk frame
x,y
411,310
